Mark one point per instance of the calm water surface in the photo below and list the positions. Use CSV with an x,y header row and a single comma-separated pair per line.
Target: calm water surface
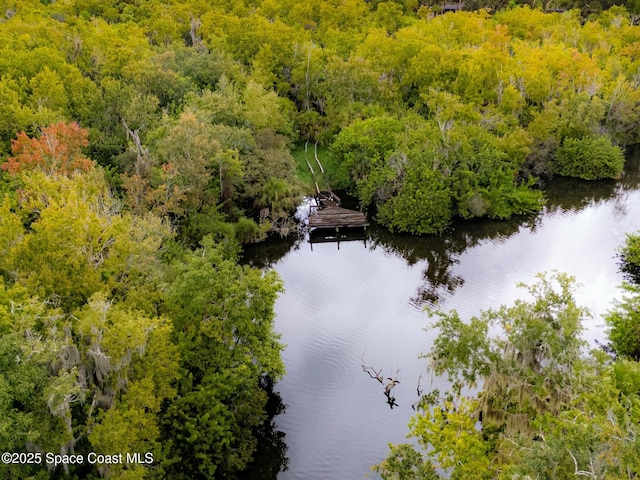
x,y
365,300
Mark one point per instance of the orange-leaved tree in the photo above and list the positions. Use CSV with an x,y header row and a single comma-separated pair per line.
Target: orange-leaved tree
x,y
58,151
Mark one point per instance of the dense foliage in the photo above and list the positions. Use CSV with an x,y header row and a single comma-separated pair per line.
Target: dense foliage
x,y
624,319
589,158
546,408
193,106
142,142
114,339
630,256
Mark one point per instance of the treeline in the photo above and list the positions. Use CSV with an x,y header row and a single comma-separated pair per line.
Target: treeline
x,y
586,8
131,172
193,106
495,104
547,407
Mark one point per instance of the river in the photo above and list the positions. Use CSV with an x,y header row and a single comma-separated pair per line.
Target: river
x,y
363,301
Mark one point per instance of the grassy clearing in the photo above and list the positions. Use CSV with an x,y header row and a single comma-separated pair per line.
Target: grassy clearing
x,y
302,170
328,162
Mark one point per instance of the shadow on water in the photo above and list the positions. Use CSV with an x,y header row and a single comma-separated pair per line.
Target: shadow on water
x,y
270,457
571,194
439,252
266,254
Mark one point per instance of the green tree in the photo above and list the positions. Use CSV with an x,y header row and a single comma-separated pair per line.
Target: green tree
x,y
389,16
362,150
534,359
78,318
423,205
539,399
630,257
589,158
223,323
624,324
78,242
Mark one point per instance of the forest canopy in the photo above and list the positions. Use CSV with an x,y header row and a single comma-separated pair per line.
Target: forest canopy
x,y
114,338
142,143
194,107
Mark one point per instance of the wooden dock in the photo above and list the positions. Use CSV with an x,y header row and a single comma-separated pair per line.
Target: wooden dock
x,y
335,217
328,215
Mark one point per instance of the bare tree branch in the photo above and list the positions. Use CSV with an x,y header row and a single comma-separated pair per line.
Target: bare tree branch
x,y
582,473
371,371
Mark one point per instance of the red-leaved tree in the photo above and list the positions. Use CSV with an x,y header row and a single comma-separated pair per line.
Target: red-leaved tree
x,y
58,151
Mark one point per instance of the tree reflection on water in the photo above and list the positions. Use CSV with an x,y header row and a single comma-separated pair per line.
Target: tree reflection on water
x,y
441,252
270,457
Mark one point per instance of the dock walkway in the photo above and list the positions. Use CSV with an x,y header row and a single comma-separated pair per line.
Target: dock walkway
x,y
328,214
335,217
